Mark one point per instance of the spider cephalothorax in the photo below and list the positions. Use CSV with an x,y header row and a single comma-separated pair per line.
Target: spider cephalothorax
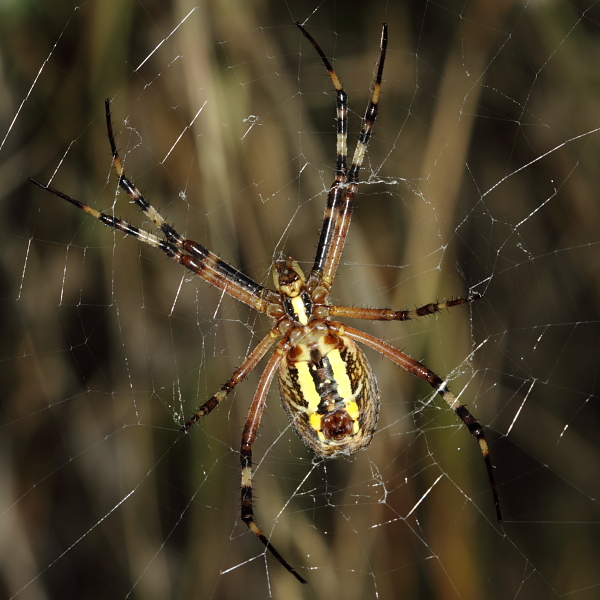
x,y
327,386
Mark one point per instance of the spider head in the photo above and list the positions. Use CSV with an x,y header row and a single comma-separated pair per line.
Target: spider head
x,y
288,277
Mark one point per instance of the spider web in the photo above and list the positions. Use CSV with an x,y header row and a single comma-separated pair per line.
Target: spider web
x,y
481,176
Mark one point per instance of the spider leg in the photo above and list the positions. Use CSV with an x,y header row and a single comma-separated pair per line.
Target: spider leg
x,y
340,198
341,109
203,262
386,314
194,256
112,221
248,438
238,376
370,114
441,387
129,187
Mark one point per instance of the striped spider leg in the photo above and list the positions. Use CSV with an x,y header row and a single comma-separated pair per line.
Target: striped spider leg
x,y
326,384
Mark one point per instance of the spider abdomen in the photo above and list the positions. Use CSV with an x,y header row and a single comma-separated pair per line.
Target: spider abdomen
x,y
329,393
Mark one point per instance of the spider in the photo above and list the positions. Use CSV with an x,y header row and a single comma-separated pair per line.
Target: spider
x,y
326,384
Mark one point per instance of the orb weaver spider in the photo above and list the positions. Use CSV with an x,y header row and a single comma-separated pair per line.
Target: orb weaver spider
x,y
327,386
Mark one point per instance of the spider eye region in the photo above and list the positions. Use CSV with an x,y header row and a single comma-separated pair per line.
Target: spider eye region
x,y
330,394
288,277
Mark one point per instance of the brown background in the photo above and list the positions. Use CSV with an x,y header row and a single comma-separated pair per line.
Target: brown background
x,y
478,179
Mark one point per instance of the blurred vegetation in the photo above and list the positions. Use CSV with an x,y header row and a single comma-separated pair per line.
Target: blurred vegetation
x,y
482,174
